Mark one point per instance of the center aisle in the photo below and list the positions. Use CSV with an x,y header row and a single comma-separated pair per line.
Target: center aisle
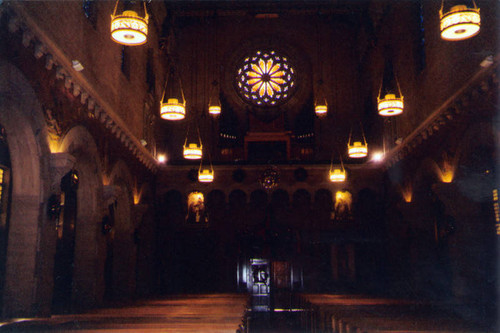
x,y
187,313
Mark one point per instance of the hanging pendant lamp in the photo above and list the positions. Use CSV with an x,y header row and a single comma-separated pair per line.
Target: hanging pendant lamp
x,y
337,174
460,22
357,149
129,28
320,105
206,175
192,150
214,106
173,103
390,105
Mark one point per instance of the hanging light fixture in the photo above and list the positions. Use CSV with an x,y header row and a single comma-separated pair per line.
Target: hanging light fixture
x,y
337,174
320,106
390,104
357,149
192,150
173,103
214,106
129,28
460,22
206,175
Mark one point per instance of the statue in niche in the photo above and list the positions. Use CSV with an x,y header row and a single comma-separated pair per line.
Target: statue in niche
x,y
53,127
343,206
196,209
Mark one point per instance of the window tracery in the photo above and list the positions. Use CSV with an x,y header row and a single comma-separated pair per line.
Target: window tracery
x,y
266,78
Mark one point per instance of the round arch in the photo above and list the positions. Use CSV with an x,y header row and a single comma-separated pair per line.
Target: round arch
x,y
87,276
123,241
21,116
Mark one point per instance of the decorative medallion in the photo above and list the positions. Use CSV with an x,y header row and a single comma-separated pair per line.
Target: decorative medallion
x,y
265,79
270,178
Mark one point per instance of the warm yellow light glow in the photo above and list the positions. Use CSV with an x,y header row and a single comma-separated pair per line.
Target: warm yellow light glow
x,y
447,172
343,198
321,109
377,157
137,196
192,151
172,109
407,193
390,105
1,184
105,180
206,176
357,149
162,158
337,175
54,145
214,110
460,23
129,28
496,209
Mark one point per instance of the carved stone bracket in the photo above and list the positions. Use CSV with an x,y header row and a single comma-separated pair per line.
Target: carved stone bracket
x,y
60,165
74,83
111,193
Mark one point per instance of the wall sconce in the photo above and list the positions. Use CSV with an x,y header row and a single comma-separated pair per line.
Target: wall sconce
x,y
54,207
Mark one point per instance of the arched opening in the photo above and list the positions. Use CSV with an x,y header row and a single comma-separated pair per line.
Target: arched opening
x,y
65,244
4,205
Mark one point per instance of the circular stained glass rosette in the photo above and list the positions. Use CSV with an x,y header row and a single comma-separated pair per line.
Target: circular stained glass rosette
x,y
265,78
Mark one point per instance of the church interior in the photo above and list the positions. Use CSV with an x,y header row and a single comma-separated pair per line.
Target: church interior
x,y
249,166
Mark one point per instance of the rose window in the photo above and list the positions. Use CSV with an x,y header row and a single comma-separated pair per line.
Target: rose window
x,y
265,79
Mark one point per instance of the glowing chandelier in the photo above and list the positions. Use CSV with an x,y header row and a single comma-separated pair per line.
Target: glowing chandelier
x,y
460,22
390,105
192,150
206,175
129,28
357,149
214,106
337,174
320,106
173,103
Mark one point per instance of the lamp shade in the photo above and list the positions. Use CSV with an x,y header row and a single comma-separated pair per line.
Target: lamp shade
x,y
459,23
173,109
357,149
337,175
390,105
205,176
192,151
129,28
214,109
321,109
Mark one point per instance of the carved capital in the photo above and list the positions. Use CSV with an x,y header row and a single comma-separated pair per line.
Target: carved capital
x,y
60,164
111,193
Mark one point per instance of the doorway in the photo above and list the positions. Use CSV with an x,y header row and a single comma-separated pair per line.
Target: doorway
x,y
65,246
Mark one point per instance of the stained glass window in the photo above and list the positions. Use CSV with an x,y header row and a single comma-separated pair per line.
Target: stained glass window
x,y
266,78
